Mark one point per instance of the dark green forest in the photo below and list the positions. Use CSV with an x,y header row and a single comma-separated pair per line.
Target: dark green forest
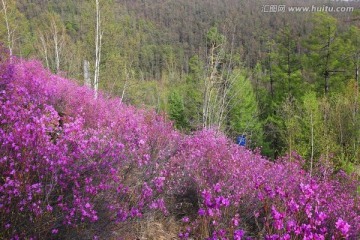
x,y
289,81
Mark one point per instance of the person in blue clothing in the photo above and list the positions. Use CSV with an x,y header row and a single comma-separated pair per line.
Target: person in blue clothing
x,y
241,140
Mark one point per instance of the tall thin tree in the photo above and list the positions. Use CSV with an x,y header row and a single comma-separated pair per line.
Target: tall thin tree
x,y
98,40
10,32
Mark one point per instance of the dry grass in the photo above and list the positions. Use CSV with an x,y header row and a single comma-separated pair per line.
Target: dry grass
x,y
151,228
160,229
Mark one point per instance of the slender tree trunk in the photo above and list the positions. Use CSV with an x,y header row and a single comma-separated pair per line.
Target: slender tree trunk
x,y
209,85
56,46
312,144
87,79
10,39
228,82
289,64
290,144
356,108
271,75
98,38
326,70
44,48
357,75
125,84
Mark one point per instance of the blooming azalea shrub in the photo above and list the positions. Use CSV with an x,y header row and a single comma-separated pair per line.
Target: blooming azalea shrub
x,y
240,195
72,166
244,196
76,167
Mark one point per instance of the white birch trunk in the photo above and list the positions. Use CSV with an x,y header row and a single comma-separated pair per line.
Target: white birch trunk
x,y
87,79
44,48
56,46
98,38
10,33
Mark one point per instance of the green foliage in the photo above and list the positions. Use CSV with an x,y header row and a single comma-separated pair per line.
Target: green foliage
x,y
345,165
177,110
312,127
291,120
322,60
193,92
159,56
286,66
346,122
350,54
16,33
214,38
243,110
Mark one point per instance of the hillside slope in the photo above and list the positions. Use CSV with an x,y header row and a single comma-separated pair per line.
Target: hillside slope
x,y
73,167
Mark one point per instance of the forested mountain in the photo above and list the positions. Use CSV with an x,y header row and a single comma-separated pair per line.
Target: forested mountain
x,y
179,119
230,64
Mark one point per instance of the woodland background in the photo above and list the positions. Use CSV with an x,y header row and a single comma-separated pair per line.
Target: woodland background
x,y
289,81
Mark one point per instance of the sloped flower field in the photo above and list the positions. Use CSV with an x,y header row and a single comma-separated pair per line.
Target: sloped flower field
x,y
72,167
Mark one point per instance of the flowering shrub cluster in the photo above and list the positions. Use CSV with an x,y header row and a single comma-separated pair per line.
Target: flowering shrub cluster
x,y
71,165
75,167
244,196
